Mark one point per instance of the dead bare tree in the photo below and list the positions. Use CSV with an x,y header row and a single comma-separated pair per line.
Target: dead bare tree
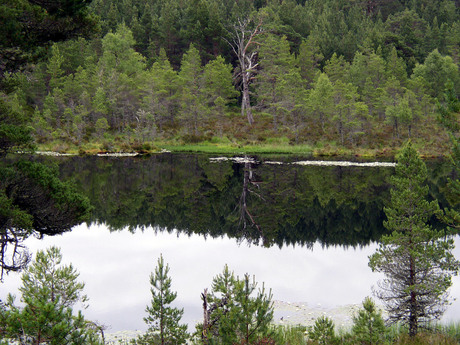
x,y
246,218
245,47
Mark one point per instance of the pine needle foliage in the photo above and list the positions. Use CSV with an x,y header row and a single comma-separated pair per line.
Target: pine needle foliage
x,y
416,259
163,319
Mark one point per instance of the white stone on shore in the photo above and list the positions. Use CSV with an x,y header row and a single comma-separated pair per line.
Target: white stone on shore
x,y
305,163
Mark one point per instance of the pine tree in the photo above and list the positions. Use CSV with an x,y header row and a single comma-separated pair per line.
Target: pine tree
x,y
49,291
448,112
191,83
232,314
163,320
416,259
368,325
322,332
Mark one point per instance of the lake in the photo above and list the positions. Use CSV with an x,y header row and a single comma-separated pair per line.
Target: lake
x,y
303,229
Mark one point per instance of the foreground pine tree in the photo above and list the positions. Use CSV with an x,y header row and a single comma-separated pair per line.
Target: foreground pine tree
x,y
163,320
368,325
416,259
235,312
49,291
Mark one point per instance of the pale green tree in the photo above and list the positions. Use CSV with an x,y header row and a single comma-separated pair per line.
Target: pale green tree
x,y
320,100
235,312
218,89
161,92
192,105
438,70
49,291
276,80
162,318
308,60
54,67
322,332
368,324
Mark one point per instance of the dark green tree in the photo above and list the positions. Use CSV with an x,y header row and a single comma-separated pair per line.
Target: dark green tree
x,y
163,319
416,259
448,113
49,291
29,25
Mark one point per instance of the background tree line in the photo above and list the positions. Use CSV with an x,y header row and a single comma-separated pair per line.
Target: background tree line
x,y
359,73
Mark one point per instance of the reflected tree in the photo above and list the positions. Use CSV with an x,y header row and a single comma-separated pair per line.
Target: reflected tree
x,y
245,216
34,201
291,204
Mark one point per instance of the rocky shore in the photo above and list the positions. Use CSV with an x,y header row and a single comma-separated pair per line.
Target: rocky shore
x,y
285,313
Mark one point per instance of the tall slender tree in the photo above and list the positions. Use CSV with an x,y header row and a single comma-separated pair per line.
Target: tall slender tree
x,y
163,320
416,259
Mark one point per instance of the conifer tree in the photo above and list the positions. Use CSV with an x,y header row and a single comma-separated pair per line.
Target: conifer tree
x,y
448,112
416,259
232,314
322,332
368,325
49,291
163,320
191,83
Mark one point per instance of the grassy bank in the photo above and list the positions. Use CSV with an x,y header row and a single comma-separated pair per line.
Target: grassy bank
x,y
225,146
396,335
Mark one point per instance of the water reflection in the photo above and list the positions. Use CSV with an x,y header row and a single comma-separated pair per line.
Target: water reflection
x,y
116,267
262,203
314,228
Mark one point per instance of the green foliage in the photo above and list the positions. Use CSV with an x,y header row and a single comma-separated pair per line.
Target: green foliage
x,y
51,21
416,259
322,332
448,112
14,133
49,291
438,70
129,74
163,320
368,325
232,314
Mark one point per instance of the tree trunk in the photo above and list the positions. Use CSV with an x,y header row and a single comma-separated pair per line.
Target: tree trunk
x,y
246,102
413,324
241,45
204,334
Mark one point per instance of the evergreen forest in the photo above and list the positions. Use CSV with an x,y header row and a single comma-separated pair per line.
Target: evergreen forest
x,y
330,75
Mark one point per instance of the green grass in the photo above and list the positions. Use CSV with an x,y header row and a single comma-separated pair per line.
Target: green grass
x,y
440,334
226,146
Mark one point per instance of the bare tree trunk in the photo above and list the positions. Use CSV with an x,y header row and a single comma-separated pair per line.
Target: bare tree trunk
x,y
242,42
246,102
204,334
413,324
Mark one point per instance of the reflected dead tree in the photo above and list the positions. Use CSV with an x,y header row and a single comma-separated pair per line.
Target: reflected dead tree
x,y
14,256
245,217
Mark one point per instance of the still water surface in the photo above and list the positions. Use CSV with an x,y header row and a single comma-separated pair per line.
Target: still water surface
x,y
116,267
306,232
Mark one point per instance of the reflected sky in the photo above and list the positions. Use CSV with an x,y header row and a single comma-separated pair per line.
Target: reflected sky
x,y
116,267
